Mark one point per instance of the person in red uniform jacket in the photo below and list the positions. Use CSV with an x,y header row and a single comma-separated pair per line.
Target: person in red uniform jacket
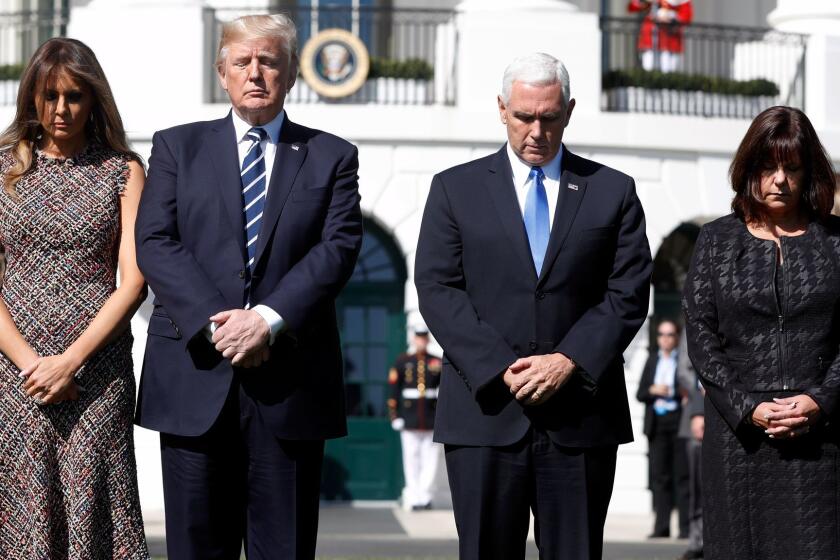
x,y
661,37
413,383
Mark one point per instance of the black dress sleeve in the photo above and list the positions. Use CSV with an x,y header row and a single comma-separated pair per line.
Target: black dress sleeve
x,y
724,389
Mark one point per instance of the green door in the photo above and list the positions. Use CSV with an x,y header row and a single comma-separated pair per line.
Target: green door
x,y
366,465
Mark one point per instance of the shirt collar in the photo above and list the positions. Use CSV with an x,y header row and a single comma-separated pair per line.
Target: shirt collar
x,y
673,355
522,170
272,127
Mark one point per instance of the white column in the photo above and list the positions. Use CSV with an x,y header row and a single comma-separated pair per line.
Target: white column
x,y
491,33
821,17
152,52
821,20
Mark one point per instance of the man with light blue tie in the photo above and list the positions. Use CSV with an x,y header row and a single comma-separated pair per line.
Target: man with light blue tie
x,y
248,228
533,274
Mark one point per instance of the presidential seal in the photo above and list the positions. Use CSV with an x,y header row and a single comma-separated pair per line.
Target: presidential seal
x,y
334,63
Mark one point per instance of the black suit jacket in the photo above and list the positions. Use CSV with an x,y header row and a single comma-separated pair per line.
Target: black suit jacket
x,y
191,248
486,305
643,393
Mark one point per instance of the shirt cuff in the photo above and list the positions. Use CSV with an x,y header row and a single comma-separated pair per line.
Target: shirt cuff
x,y
274,320
209,329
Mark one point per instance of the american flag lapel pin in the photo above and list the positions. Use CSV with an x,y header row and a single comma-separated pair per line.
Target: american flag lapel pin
x,y
573,186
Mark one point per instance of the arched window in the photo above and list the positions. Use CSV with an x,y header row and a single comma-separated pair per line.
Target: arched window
x,y
670,267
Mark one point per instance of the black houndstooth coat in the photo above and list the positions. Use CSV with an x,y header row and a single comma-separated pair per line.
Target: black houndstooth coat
x,y
759,329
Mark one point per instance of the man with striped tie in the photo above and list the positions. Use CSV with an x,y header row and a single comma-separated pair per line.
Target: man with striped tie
x,y
533,274
248,228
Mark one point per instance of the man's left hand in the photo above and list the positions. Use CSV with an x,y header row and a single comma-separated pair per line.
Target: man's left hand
x,y
242,337
535,379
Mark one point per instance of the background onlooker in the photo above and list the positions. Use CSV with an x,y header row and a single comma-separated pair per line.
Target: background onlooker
x,y
413,383
692,426
658,389
661,43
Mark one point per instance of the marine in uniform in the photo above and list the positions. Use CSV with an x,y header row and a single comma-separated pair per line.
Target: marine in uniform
x,y
413,385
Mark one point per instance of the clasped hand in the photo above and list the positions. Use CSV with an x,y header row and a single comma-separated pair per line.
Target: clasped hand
x,y
535,379
786,418
49,379
241,336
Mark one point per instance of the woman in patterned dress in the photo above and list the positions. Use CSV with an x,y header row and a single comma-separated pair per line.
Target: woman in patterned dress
x,y
70,190
762,304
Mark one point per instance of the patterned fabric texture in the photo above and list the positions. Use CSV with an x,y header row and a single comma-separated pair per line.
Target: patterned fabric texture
x,y
766,498
68,482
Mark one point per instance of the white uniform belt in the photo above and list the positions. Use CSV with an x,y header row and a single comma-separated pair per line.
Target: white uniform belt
x,y
415,393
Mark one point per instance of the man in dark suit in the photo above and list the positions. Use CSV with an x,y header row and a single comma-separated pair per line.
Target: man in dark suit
x,y
660,389
532,273
248,228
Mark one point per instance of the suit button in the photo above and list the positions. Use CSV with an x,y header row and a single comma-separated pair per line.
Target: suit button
x,y
242,273
540,294
532,345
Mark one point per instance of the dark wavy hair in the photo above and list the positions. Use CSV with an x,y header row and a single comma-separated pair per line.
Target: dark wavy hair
x,y
776,137
52,58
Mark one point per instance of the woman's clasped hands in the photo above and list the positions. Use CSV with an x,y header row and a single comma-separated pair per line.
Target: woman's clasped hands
x,y
787,418
50,379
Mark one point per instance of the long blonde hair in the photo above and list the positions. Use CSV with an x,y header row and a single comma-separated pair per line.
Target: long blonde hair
x,y
56,56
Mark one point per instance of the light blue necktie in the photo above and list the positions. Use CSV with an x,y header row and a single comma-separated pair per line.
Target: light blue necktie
x,y
253,192
536,217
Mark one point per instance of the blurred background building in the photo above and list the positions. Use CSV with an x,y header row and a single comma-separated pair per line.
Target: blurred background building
x,y
429,102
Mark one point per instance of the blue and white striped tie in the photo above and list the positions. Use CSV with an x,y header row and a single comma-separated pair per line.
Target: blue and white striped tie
x,y
253,192
253,195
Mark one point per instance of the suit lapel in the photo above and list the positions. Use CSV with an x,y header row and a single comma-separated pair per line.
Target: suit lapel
x,y
503,193
222,150
572,190
287,161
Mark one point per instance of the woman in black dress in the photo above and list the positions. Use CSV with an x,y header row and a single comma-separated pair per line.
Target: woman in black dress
x,y
762,305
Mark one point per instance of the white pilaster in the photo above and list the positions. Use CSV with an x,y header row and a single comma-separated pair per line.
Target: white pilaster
x,y
152,52
821,20
813,17
491,33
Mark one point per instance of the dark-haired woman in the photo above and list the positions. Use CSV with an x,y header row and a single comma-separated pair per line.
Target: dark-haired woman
x,y
70,189
762,305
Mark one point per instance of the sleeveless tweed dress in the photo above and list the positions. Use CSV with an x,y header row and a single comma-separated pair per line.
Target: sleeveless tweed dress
x,y
68,482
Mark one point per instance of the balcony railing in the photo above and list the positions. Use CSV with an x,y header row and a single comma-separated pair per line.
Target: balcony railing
x,y
723,71
412,52
20,35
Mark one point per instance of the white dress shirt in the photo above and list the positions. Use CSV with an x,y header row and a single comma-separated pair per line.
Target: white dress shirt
x,y
551,181
269,148
666,374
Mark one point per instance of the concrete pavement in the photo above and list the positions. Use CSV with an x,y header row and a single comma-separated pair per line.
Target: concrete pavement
x,y
382,530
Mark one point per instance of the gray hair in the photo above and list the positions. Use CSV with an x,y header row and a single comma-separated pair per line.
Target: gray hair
x,y
537,69
277,26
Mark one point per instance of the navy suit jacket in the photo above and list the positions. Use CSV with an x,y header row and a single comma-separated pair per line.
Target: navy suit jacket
x,y
487,306
191,249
